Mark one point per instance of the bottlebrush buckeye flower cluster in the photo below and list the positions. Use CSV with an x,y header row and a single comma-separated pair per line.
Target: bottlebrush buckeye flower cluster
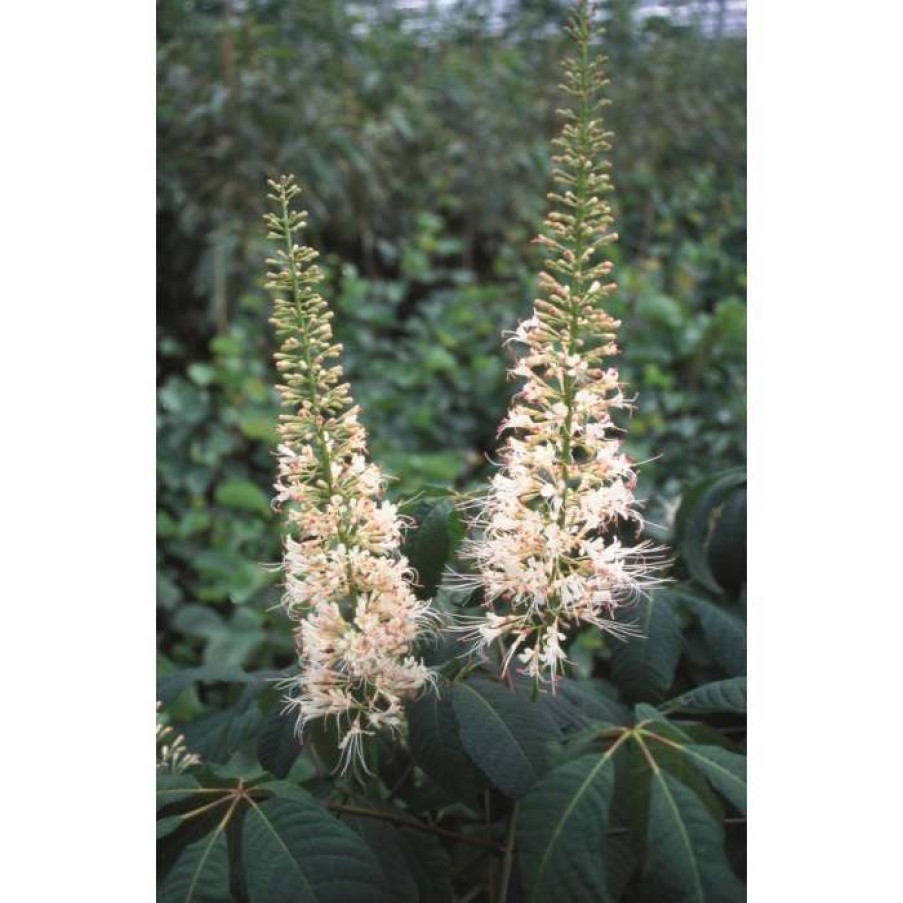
x,y
345,581
544,548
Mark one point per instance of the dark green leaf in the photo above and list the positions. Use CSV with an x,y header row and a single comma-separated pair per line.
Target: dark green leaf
x,y
169,686
620,857
169,824
725,770
217,735
643,666
560,832
706,735
436,746
685,858
692,495
577,704
646,755
171,788
725,634
296,852
668,744
431,545
644,712
504,732
279,745
720,696
727,543
699,524
322,738
200,874
242,495
429,863
399,884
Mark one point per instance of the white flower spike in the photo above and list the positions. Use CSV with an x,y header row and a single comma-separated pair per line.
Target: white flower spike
x,y
544,543
346,582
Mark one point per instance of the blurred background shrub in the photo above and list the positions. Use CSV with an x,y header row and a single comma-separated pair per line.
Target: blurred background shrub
x,y
420,132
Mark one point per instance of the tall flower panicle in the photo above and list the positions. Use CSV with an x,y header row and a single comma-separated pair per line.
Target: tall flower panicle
x,y
346,583
544,546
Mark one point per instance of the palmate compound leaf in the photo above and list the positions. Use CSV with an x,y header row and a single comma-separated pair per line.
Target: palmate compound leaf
x,y
725,633
720,696
173,787
436,745
192,843
578,704
561,832
429,863
166,826
216,735
416,867
504,732
727,544
725,770
676,749
643,666
676,820
399,885
278,745
685,860
294,851
698,523
430,546
170,685
201,872
289,847
618,850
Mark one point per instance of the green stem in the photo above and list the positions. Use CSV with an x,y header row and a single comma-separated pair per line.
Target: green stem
x,y
577,278
508,860
323,446
502,652
490,866
406,822
373,757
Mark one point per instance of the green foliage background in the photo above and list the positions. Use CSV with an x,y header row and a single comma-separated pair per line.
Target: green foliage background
x,y
424,153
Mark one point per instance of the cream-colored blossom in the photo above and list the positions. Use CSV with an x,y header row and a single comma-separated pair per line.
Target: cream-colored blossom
x,y
346,582
172,754
545,544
